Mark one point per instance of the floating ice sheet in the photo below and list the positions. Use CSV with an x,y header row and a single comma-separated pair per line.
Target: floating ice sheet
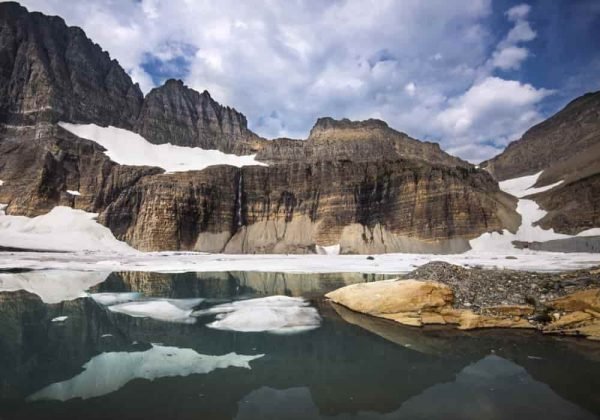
x,y
275,314
169,310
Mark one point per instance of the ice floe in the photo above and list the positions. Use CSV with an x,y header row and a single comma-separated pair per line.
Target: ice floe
x,y
52,286
128,148
275,314
108,372
62,229
169,310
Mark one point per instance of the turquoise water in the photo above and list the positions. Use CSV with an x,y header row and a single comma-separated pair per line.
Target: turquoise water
x,y
100,364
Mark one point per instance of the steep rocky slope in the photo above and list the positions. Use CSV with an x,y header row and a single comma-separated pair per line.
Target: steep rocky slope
x,y
566,147
51,72
360,184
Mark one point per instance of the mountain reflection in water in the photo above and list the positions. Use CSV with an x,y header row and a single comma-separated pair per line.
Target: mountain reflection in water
x,y
100,363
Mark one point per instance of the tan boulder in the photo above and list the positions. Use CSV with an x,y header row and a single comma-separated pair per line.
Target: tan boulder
x,y
393,296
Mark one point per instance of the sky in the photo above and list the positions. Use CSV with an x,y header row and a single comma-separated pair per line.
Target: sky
x,y
472,75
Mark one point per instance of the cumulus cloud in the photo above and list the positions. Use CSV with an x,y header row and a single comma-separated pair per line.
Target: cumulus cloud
x,y
425,67
493,111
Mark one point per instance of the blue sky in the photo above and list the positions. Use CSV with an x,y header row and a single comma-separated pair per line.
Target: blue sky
x,y
471,74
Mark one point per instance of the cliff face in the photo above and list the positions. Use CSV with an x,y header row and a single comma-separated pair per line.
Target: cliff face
x,y
38,165
50,71
552,142
359,184
365,207
566,147
174,113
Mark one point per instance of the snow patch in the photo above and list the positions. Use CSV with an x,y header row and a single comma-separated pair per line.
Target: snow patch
x,y
108,372
530,213
128,148
52,286
590,232
169,310
523,186
275,314
59,319
72,192
1,183
328,250
62,229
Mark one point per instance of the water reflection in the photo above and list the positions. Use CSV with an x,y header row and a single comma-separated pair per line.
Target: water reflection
x,y
103,364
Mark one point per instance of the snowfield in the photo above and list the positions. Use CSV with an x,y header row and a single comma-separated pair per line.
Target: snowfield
x,y
128,148
62,229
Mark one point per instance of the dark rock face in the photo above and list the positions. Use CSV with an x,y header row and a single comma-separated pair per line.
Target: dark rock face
x,y
174,113
573,206
566,147
571,131
39,164
360,184
52,72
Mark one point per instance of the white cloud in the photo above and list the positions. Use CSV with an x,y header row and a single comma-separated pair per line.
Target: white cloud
x,y
518,12
492,111
509,58
410,89
415,64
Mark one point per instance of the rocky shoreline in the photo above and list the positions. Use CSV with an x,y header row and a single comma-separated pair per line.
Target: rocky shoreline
x,y
469,298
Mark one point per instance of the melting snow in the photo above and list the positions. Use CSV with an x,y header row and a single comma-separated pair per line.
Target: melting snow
x,y
169,310
108,372
276,314
60,319
590,232
128,148
62,229
328,250
73,192
530,213
523,186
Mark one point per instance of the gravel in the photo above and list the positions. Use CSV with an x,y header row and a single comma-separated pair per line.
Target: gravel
x,y
475,288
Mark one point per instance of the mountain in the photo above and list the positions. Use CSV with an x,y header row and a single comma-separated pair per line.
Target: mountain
x,y
359,184
566,147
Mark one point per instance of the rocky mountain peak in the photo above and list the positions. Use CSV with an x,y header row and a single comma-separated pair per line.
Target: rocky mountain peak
x,y
175,113
330,128
51,72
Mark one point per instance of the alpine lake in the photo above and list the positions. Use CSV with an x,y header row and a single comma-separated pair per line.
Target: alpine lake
x,y
254,345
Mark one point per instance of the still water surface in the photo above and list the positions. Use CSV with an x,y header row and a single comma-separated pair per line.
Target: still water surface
x,y
163,356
